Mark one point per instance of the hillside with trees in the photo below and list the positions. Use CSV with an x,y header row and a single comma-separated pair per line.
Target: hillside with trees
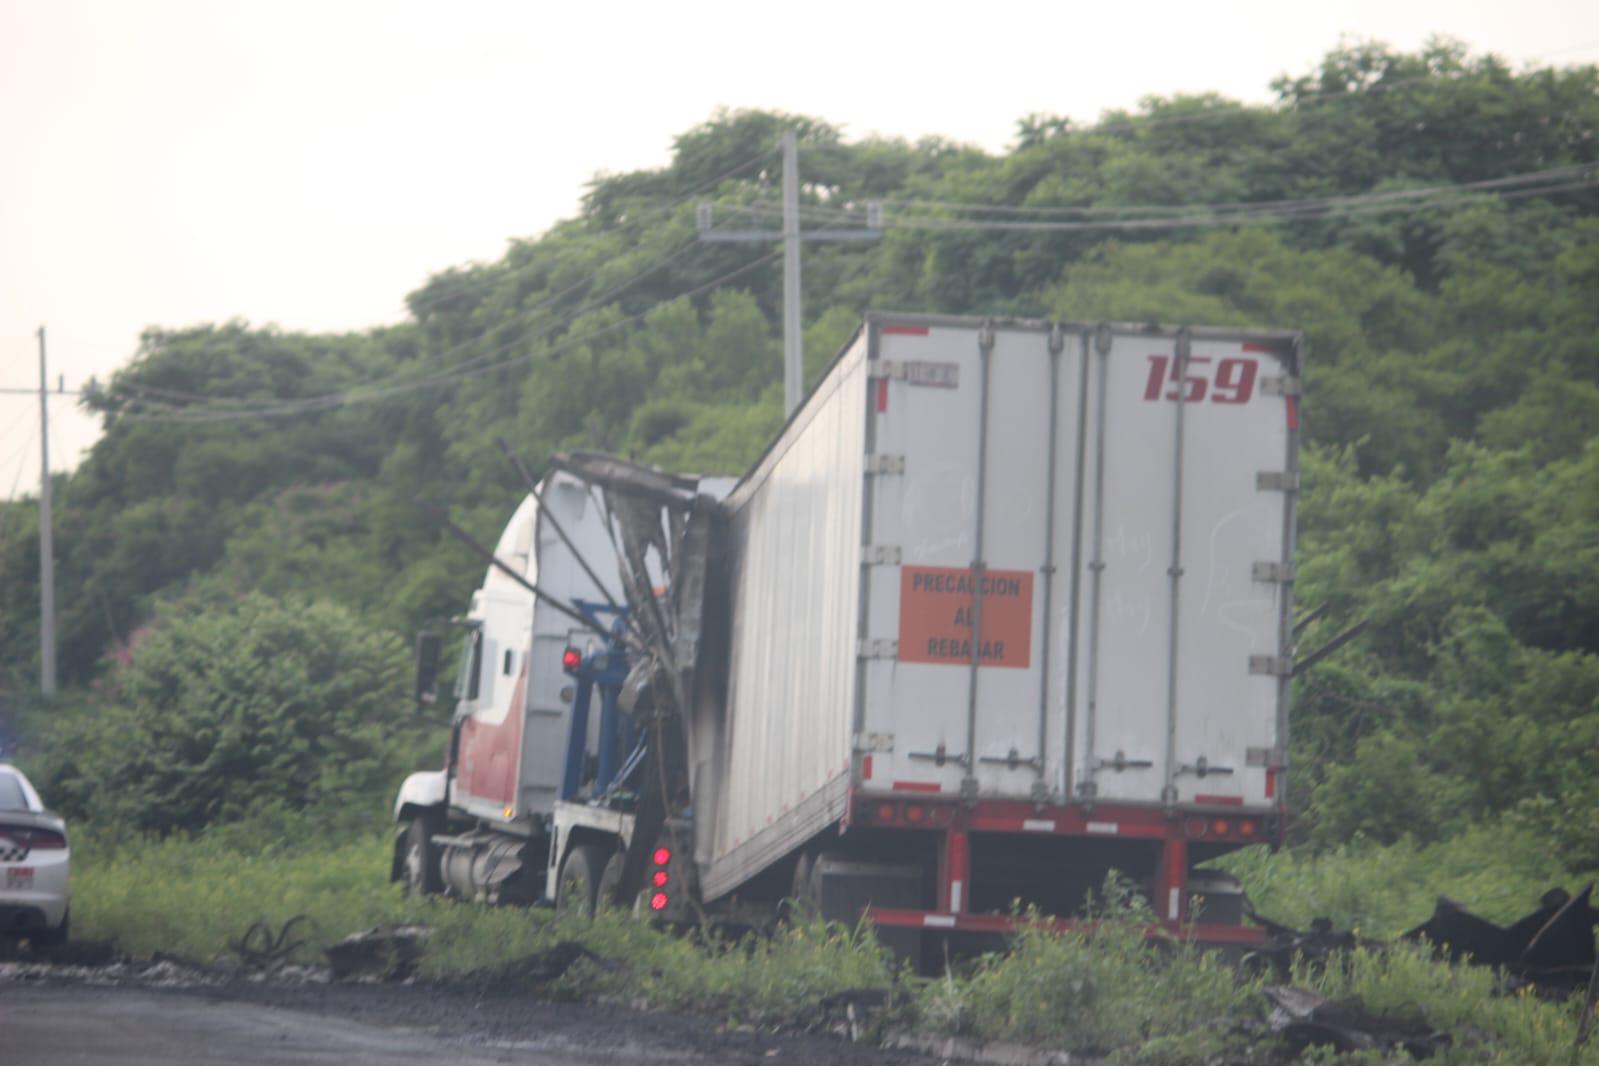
x,y
1430,220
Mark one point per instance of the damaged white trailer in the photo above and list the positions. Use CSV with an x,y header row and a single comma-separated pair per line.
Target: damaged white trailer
x,y
1005,606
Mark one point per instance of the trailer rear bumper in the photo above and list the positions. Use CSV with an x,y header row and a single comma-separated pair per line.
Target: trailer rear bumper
x,y
1009,924
990,860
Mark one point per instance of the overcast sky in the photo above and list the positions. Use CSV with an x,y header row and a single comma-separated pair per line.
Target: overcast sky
x,y
172,162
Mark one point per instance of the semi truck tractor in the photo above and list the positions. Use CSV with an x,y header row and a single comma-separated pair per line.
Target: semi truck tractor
x,y
1005,607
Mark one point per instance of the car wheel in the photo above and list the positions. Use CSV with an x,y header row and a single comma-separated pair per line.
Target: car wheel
x,y
579,880
54,938
421,863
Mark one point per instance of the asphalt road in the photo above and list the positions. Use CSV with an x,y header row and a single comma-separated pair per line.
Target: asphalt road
x,y
59,1023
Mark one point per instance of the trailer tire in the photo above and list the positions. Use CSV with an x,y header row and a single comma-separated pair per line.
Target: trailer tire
x,y
579,880
420,865
804,896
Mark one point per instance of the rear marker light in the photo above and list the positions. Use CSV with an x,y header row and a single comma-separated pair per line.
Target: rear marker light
x,y
1247,828
658,901
662,856
915,813
1197,827
885,812
1221,825
660,878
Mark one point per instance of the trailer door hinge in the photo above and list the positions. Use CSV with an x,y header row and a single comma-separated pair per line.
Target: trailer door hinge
x,y
885,464
1271,665
1280,387
1273,571
878,649
1277,481
1269,758
880,555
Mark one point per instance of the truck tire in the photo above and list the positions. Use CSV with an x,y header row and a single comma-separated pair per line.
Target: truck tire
x,y
610,877
805,896
420,865
575,888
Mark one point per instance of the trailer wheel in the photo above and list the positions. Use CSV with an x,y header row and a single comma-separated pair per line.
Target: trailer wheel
x,y
804,894
580,878
420,866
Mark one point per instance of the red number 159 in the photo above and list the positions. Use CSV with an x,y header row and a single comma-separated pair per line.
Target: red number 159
x,y
1233,381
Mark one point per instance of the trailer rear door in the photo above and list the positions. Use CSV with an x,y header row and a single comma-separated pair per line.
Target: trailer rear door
x,y
1074,579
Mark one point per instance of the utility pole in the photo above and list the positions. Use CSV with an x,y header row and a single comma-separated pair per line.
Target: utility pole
x,y
47,562
792,237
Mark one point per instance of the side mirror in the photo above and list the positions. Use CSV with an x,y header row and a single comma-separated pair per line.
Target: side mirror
x,y
428,646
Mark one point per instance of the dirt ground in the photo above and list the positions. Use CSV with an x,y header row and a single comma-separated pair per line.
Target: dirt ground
x,y
97,1015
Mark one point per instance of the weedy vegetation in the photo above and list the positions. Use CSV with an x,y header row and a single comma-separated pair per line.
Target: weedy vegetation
x,y
1106,989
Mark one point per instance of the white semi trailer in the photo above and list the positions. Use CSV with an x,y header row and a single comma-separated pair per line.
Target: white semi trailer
x,y
1005,606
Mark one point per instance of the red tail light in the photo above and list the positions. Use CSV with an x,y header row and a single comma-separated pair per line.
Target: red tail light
x,y
571,659
34,839
659,901
660,878
662,856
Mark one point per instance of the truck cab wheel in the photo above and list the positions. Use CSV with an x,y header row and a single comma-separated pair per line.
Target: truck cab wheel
x,y
610,877
579,880
420,866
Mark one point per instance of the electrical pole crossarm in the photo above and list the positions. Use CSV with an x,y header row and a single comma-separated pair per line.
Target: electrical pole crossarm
x,y
792,237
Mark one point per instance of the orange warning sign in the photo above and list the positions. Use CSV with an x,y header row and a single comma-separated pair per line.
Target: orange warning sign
x,y
936,616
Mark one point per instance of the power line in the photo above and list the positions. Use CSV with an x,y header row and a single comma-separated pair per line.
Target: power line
x,y
1559,179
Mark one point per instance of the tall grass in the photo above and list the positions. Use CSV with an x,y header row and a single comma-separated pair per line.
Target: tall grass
x,y
1498,871
1104,989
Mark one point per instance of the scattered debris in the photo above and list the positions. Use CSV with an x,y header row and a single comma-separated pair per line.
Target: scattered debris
x,y
260,949
1551,949
965,1049
545,966
1284,944
848,1014
153,973
382,953
1305,1019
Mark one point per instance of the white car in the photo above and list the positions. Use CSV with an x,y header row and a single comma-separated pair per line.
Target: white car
x,y
33,864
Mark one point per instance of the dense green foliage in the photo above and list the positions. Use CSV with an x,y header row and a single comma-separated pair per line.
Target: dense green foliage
x,y
252,709
1451,487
